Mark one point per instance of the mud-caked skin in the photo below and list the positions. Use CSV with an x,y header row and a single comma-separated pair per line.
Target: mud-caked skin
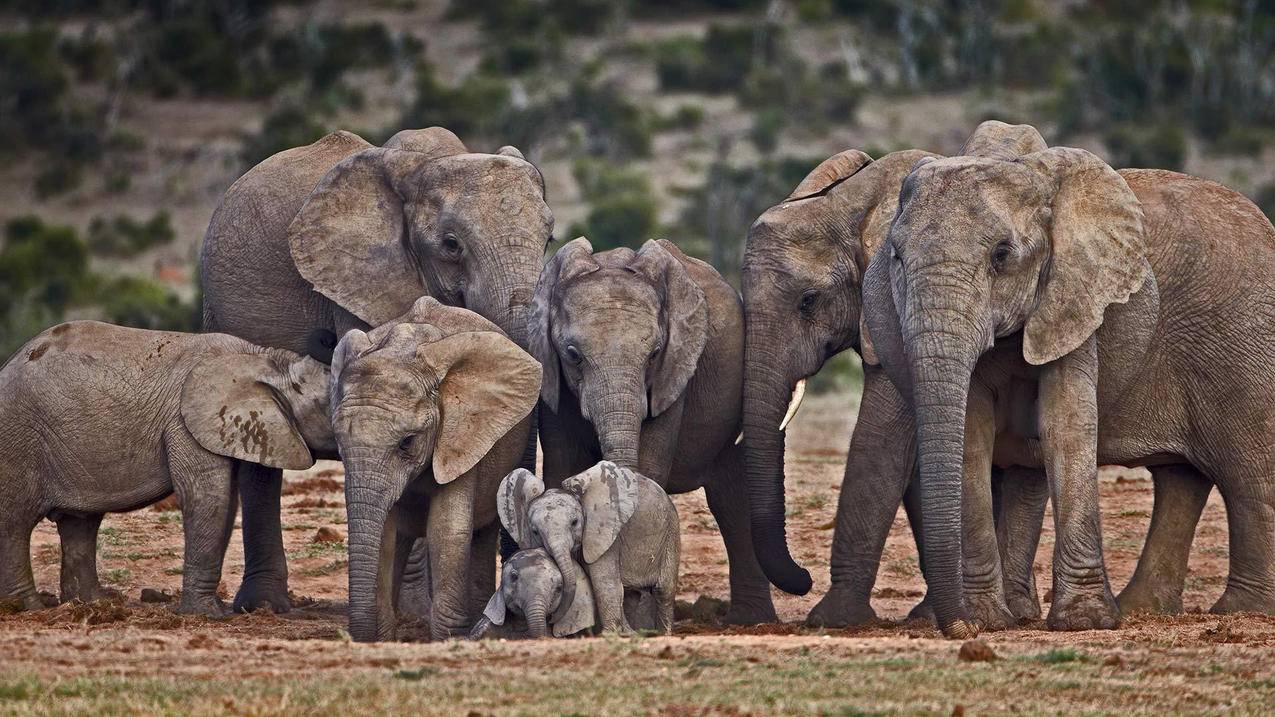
x,y
430,411
620,523
99,418
340,234
643,358
1048,311
532,591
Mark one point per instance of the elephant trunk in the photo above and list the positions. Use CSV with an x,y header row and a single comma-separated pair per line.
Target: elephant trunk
x,y
616,405
560,550
371,551
941,364
766,393
537,624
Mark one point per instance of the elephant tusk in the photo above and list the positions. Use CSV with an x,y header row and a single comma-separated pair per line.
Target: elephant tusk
x,y
798,393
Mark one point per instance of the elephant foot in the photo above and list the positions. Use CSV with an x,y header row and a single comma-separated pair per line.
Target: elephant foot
x,y
208,606
961,630
1083,610
1023,605
91,594
744,611
923,611
1236,599
255,595
22,602
989,611
838,608
1136,597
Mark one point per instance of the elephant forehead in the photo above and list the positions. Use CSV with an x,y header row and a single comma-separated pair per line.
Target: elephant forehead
x,y
556,504
607,290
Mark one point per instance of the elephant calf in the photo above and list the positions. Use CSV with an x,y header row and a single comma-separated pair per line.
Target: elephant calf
x,y
624,525
531,586
98,418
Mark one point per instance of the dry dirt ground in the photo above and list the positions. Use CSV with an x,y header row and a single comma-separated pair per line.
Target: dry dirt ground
x,y
136,657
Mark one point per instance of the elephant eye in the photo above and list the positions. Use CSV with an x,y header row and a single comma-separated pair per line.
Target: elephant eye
x,y
573,354
1001,255
405,444
808,300
450,244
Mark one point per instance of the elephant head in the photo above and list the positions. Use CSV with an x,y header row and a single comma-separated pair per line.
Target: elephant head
x,y
269,407
424,396
532,586
983,248
609,495
423,216
623,331
803,275
549,519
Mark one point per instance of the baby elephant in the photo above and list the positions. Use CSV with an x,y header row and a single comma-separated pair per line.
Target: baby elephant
x,y
624,525
531,587
96,418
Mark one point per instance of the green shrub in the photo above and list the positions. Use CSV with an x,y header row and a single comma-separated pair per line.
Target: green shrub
x,y
289,125
685,117
1265,199
143,304
716,64
124,236
622,210
1161,147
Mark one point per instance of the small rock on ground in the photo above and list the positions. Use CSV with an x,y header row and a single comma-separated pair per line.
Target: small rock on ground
x,y
976,651
152,595
327,535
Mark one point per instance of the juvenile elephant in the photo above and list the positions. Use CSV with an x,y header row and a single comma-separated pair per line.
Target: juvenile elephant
x,y
642,355
624,526
1047,311
340,234
802,284
532,587
430,411
98,418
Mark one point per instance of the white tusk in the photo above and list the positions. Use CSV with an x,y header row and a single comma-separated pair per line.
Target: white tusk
x,y
798,393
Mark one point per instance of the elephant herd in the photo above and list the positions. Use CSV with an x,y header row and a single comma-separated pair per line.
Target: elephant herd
x,y
1024,314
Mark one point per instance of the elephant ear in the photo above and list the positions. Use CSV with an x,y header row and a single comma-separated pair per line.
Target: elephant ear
x,y
997,140
230,407
495,610
684,317
608,494
832,170
487,386
574,259
433,142
881,317
515,494
1099,254
579,615
347,239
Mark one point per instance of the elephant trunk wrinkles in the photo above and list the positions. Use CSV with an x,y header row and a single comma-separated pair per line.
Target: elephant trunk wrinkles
x,y
560,550
941,364
766,394
537,625
617,407
370,492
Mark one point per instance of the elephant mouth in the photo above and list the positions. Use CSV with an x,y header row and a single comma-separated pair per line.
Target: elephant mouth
x,y
794,405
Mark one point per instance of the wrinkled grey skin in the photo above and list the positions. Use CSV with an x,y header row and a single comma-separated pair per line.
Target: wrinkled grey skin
x,y
630,539
1047,311
98,418
340,234
430,411
532,588
802,283
642,354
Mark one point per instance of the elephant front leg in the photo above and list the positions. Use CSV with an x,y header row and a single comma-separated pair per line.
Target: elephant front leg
x,y
1156,586
1068,409
878,466
482,568
450,534
78,537
205,488
1021,495
265,576
984,584
750,599
608,592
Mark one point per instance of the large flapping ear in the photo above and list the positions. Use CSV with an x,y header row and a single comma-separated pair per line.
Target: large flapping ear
x,y
347,239
1099,253
231,409
580,614
608,494
515,494
433,142
684,316
832,170
495,610
487,386
997,140
881,315
574,259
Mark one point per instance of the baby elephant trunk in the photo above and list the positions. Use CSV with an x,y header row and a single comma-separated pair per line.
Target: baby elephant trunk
x,y
537,622
561,552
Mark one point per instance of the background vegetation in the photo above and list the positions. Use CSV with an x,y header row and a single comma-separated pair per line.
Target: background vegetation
x,y
122,121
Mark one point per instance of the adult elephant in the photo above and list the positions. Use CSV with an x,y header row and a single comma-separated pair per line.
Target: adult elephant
x,y
1048,311
339,235
802,271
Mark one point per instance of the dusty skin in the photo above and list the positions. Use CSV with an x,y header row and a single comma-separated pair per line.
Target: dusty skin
x,y
140,656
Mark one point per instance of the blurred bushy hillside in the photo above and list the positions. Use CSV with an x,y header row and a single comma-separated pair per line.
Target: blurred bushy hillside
x,y
123,121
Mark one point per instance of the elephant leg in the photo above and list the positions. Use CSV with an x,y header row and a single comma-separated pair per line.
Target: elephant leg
x,y
1020,495
984,583
1156,586
608,592
563,438
482,568
750,600
637,609
1250,521
450,533
912,508
414,598
16,579
204,484
878,466
265,575
78,537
